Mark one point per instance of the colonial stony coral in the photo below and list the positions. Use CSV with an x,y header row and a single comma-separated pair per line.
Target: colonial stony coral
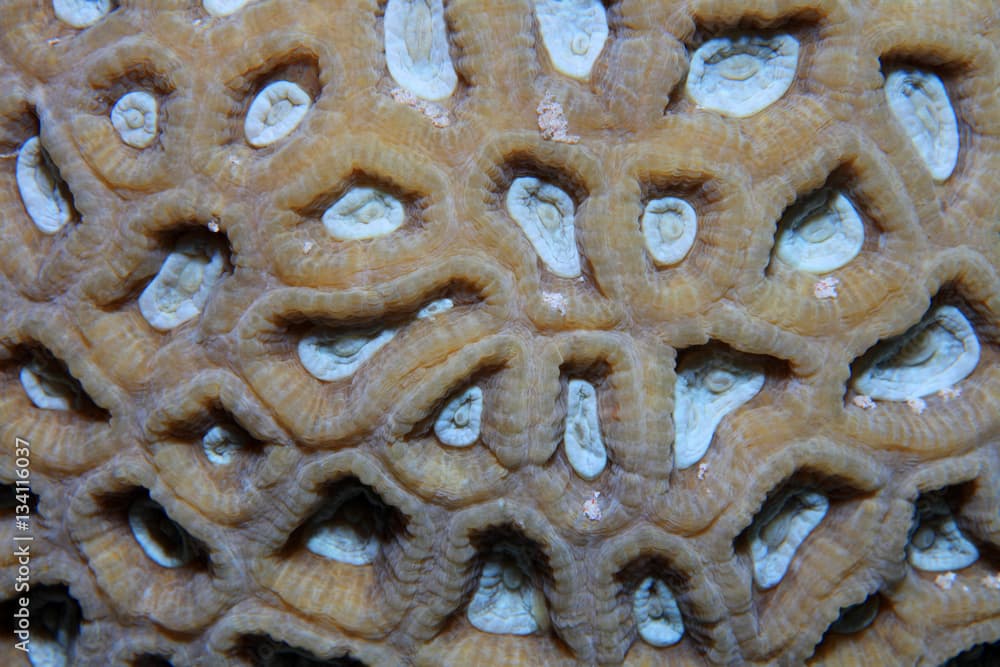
x,y
507,332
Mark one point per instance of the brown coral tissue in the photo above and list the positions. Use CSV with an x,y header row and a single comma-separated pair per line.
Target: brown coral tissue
x,y
499,332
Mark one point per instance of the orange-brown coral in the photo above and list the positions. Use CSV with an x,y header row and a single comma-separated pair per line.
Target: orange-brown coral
x,y
290,376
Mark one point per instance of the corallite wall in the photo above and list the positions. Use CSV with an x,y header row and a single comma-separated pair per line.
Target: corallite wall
x,y
519,332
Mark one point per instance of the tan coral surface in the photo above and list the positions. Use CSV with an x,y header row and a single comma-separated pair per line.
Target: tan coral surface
x,y
205,492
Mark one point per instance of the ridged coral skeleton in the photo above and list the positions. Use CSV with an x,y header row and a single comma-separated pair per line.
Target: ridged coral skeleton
x,y
520,332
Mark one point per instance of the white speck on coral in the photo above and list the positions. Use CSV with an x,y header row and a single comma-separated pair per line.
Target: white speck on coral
x,y
863,402
437,114
949,393
307,247
702,469
592,508
213,226
918,405
826,288
945,581
992,581
555,300
552,121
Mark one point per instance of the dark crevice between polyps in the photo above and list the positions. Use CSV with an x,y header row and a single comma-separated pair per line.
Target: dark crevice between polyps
x,y
262,650
350,524
46,618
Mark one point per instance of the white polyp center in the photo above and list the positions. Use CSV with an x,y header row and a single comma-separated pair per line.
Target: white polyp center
x,y
47,389
223,7
669,226
584,446
938,352
778,531
573,33
709,387
821,233
921,105
54,629
364,213
166,543
185,281
222,444
40,188
81,13
740,76
505,602
460,420
346,530
937,543
657,616
134,117
333,355
275,112
435,307
545,214
416,48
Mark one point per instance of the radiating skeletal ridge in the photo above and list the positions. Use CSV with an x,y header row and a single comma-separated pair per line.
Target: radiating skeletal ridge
x,y
416,48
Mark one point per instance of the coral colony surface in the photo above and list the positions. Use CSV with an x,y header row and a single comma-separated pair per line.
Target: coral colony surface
x,y
500,332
